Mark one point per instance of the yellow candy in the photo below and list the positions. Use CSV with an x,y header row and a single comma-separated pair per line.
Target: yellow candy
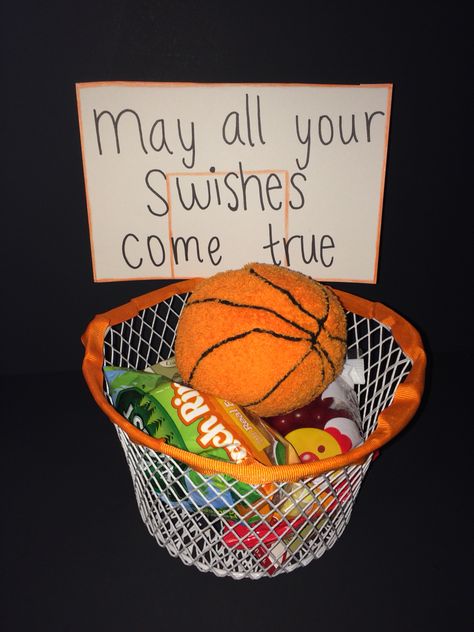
x,y
313,444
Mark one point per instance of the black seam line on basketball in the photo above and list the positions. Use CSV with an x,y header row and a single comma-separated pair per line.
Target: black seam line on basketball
x,y
336,338
256,330
324,318
277,384
260,307
315,336
326,355
322,321
323,370
286,293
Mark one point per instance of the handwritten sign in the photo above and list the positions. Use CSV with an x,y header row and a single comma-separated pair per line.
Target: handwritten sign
x,y
185,180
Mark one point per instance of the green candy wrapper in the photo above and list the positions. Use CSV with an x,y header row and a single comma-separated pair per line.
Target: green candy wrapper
x,y
204,425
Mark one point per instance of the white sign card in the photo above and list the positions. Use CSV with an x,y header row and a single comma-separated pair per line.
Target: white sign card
x,y
186,180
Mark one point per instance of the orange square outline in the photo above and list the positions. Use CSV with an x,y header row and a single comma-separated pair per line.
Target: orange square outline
x,y
175,174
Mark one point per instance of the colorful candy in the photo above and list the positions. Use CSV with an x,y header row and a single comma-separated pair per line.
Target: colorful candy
x,y
204,425
327,426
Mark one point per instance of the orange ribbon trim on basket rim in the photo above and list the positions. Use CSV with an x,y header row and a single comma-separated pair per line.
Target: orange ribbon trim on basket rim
x,y
391,420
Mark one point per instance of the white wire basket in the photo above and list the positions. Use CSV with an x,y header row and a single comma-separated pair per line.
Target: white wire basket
x,y
222,523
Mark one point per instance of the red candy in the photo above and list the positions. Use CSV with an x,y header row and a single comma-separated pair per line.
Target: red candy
x,y
326,427
316,414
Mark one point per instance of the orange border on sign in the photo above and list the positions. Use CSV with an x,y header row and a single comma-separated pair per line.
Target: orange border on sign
x,y
221,173
382,180
86,183
190,84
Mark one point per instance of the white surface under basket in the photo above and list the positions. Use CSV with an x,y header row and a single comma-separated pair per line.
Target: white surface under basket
x,y
194,517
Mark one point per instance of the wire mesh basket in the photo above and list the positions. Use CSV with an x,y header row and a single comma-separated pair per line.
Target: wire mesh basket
x,y
250,521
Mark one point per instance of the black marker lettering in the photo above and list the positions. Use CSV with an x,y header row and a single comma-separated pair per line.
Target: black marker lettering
x,y
211,250
259,119
115,123
269,188
324,247
191,147
231,141
232,207
249,127
244,181
124,253
304,141
270,245
320,130
296,188
368,122
163,143
194,197
163,199
161,248
181,240
353,132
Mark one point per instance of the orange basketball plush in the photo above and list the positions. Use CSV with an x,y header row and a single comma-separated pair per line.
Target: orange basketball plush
x,y
265,337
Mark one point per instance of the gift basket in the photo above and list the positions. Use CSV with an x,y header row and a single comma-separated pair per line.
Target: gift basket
x,y
251,520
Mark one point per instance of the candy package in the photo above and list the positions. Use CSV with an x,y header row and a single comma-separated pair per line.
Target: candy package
x,y
167,368
272,541
330,424
204,425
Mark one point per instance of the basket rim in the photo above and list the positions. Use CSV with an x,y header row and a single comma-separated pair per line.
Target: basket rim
x,y
391,420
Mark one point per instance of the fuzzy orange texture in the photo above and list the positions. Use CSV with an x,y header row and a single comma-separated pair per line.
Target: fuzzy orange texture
x,y
267,338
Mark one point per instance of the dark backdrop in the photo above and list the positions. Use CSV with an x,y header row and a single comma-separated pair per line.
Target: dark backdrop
x,y
75,555
49,294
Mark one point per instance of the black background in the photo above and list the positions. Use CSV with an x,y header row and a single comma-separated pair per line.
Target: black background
x,y
77,556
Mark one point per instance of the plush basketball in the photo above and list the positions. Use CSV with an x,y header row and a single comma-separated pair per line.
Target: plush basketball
x,y
265,337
